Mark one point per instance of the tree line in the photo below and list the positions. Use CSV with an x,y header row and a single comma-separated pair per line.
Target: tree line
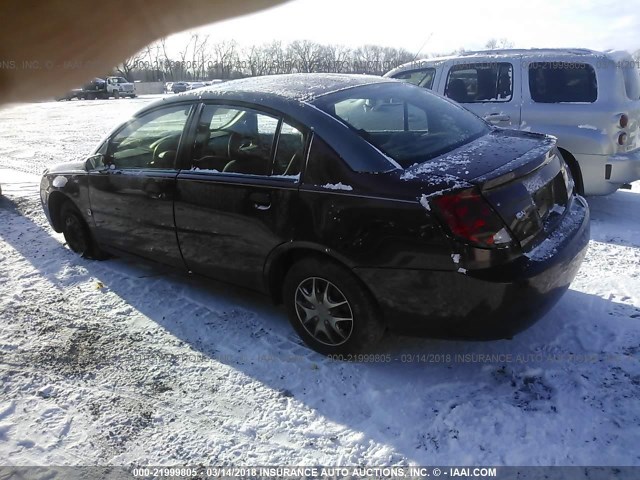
x,y
201,59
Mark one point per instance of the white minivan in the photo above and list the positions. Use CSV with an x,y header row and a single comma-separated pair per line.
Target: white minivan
x,y
589,100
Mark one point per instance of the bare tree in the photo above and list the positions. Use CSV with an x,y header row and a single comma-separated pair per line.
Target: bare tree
x,y
306,55
199,59
167,63
368,59
257,60
498,44
225,59
335,59
132,63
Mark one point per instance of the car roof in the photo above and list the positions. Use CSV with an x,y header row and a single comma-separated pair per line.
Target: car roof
x,y
273,90
302,87
507,53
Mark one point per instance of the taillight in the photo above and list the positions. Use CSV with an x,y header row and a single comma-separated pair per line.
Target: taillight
x,y
622,138
624,120
470,218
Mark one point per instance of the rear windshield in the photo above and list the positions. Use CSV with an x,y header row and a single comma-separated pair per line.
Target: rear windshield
x,y
409,124
556,82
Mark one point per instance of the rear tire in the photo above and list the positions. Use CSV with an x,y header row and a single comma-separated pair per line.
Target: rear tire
x,y
330,308
77,234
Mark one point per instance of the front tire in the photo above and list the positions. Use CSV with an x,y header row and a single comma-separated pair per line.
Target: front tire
x,y
330,308
77,234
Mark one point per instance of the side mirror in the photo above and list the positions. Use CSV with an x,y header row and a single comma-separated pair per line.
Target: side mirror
x,y
95,162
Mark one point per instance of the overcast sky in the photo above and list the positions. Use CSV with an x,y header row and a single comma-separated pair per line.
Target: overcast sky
x,y
444,25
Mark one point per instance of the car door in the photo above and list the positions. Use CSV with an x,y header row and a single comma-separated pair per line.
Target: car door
x,y
132,186
238,193
490,89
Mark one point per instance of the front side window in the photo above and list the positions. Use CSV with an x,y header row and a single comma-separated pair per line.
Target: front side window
x,y
150,141
422,78
232,139
408,124
557,82
480,83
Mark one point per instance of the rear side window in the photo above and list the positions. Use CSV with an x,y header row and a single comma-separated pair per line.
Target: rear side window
x,y
234,139
480,82
422,78
631,80
556,82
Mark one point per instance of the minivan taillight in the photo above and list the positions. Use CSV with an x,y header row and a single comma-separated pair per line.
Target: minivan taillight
x,y
624,120
472,219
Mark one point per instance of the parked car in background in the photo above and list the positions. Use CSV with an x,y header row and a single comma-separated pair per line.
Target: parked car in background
x,y
168,87
358,201
99,88
589,100
96,88
178,87
120,87
194,85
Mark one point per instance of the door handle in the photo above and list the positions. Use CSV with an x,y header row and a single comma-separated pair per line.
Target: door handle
x,y
497,117
261,200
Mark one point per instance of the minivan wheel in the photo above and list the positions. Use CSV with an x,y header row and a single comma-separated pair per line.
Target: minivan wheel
x,y
76,233
330,309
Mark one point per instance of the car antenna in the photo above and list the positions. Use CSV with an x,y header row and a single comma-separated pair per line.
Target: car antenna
x,y
423,45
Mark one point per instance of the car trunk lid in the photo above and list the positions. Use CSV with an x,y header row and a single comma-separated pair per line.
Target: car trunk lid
x,y
520,174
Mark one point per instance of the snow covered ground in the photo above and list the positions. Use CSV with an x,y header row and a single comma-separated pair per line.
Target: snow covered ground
x,y
119,362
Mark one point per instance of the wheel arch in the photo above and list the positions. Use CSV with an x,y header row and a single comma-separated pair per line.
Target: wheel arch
x,y
574,166
54,204
283,257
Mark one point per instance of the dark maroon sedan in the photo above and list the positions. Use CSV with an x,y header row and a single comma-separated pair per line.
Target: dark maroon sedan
x,y
360,202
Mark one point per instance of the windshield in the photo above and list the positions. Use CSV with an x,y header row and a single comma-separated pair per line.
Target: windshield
x,y
407,123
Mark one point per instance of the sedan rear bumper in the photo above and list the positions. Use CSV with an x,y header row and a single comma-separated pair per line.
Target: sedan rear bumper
x,y
491,303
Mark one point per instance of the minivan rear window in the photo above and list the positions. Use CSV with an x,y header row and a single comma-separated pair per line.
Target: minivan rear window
x,y
558,82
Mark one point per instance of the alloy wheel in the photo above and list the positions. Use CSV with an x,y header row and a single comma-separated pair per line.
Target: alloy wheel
x,y
324,311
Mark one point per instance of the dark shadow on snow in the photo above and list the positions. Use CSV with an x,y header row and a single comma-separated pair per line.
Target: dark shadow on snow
x,y
417,365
